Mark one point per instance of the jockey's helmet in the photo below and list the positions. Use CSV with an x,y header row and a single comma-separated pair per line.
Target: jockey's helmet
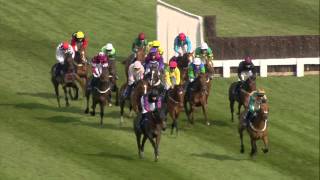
x,y
248,59
204,46
79,35
153,95
141,36
101,56
109,47
182,36
137,65
65,45
156,43
173,64
197,61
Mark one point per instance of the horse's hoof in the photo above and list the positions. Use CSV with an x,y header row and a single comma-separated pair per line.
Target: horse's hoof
x,y
241,150
141,155
67,105
252,154
156,158
265,150
86,111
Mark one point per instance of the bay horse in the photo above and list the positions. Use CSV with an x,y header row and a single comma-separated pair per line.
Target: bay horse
x,y
100,94
67,80
183,63
242,97
199,93
258,129
82,68
123,99
150,129
175,100
140,56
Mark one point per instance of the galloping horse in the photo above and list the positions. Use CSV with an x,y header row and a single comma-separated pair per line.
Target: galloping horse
x,y
175,99
67,80
82,68
198,97
258,129
140,56
242,97
100,94
183,62
123,100
150,129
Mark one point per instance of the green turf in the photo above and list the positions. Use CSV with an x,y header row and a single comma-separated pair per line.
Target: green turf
x,y
40,141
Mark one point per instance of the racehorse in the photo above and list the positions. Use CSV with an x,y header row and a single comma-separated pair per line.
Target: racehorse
x,y
100,94
258,129
82,68
175,99
241,97
199,93
150,129
123,100
183,62
140,56
67,80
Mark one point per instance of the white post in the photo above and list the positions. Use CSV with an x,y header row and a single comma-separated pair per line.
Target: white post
x,y
263,69
226,69
300,68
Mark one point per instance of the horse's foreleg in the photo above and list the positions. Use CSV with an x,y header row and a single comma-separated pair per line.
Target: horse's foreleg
x,y
155,148
144,139
186,110
232,108
192,113
75,87
87,98
266,144
94,104
117,95
138,138
158,137
240,130
66,95
253,147
56,89
101,113
122,103
239,108
204,110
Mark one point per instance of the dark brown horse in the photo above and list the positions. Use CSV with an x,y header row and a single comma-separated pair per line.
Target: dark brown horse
x,y
258,129
150,129
82,68
100,94
242,97
183,62
175,99
123,99
67,80
140,56
198,97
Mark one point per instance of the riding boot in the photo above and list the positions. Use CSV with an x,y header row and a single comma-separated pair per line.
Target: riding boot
x,y
58,70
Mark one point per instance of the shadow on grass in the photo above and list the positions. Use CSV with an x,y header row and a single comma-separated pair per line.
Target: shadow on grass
x,y
220,157
106,125
112,155
44,95
35,106
61,119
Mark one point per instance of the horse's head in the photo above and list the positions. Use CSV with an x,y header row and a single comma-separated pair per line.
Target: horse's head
x,y
178,93
141,55
250,84
264,107
153,77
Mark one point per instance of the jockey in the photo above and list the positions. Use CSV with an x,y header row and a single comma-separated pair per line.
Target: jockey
x,y
204,52
254,99
139,42
246,66
156,44
150,102
172,75
195,68
182,45
61,51
110,52
79,41
154,56
98,62
136,73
